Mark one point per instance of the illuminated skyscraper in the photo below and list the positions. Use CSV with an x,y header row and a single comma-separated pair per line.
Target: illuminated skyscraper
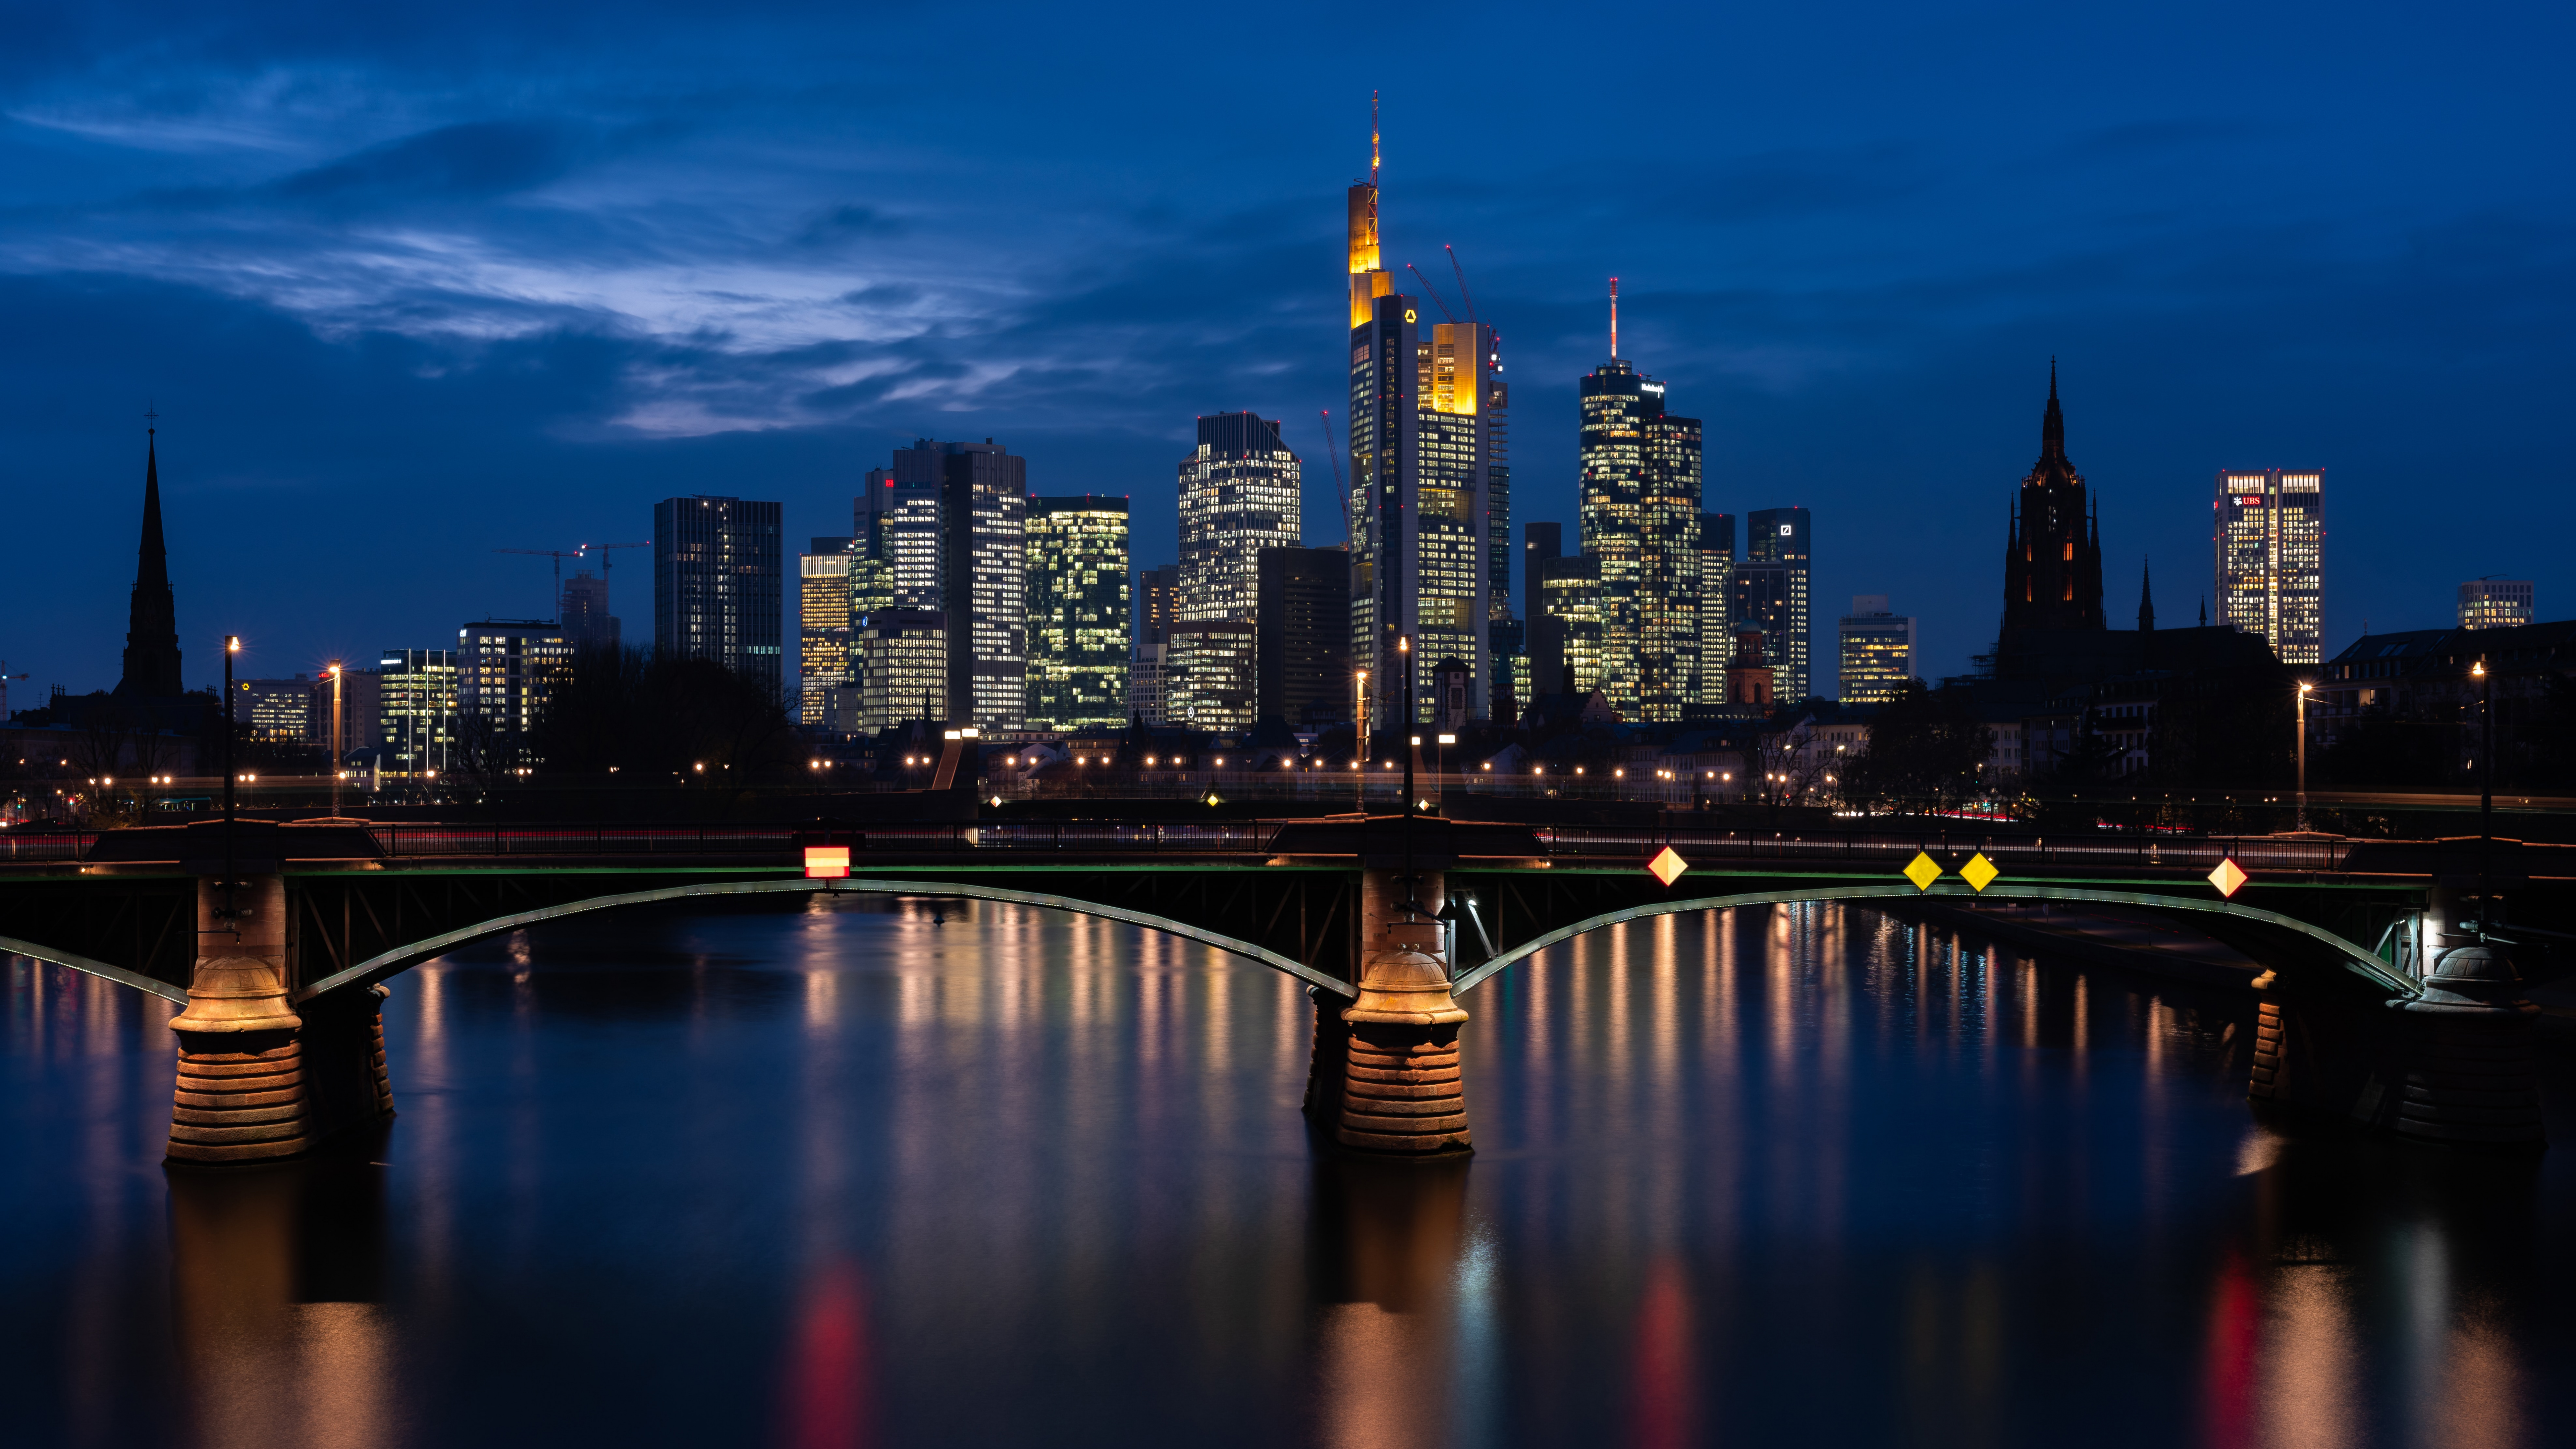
x,y
1641,519
715,589
2052,547
1210,679
1304,662
1077,612
2269,543
1239,495
902,667
1716,604
949,521
1570,604
822,626
2495,603
418,719
1771,588
1877,652
895,522
1427,428
506,667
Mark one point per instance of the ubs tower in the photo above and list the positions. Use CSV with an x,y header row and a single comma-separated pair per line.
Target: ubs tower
x,y
1430,490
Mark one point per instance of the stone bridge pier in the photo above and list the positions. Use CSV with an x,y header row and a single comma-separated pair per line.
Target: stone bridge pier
x,y
259,1079
1386,1074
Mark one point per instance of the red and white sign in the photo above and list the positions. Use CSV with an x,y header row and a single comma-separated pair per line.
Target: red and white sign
x,y
827,862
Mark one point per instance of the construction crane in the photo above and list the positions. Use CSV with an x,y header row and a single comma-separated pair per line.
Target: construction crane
x,y
602,550
1333,453
555,605
6,676
1467,296
1434,291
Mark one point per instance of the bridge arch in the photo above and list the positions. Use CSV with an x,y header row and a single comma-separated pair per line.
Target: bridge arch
x,y
2359,963
403,958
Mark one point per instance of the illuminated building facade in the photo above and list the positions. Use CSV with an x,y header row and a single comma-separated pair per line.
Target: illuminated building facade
x,y
2053,545
1304,618
1570,603
1716,604
505,666
2495,603
822,627
1771,594
716,586
418,718
2269,547
894,524
1239,495
1211,675
903,668
1640,491
969,503
1427,417
1877,651
1078,625
275,710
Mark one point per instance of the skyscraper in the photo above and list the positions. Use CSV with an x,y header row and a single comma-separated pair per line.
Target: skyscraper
x,y
2052,546
716,586
1078,626
902,668
1304,618
984,562
2495,603
418,719
2269,546
1877,651
1640,516
1771,588
1570,604
1716,604
1239,495
585,615
822,627
152,615
894,522
1210,678
504,668
1426,439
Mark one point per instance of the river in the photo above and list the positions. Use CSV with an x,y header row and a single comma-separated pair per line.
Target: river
x,y
891,1173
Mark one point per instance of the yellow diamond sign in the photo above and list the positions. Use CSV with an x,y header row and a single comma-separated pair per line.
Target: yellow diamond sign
x,y
1922,870
1979,872
2228,877
1667,867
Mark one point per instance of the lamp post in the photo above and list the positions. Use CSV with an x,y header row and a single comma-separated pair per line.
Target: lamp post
x,y
232,646
335,740
2486,788
2304,687
1360,730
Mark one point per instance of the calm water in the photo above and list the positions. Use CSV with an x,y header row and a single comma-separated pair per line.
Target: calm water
x,y
848,1177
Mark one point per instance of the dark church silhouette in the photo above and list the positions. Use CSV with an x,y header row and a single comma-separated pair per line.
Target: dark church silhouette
x,y
152,619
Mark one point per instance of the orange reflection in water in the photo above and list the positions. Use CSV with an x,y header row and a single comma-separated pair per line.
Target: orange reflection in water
x,y
831,1387
1663,1380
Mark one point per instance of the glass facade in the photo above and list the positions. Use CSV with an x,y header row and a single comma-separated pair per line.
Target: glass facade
x,y
418,719
1078,626
823,608
1640,497
504,667
903,668
1877,651
1716,604
1210,681
2269,542
716,585
1778,537
2495,603
1570,596
1240,494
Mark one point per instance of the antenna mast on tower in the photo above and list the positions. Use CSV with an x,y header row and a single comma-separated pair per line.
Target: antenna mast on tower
x,y
1614,318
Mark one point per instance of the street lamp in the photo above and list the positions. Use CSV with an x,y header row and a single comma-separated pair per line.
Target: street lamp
x,y
2486,788
2304,687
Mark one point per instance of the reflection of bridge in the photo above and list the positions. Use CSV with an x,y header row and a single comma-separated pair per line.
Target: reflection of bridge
x,y
277,938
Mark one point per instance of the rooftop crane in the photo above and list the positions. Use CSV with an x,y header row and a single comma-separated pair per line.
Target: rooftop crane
x,y
1434,291
1469,297
1333,453
6,676
603,549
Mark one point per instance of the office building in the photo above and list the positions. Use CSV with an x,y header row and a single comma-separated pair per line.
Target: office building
x,y
1158,602
1239,495
949,522
1303,610
1078,627
716,586
902,668
1877,651
1540,542
2052,545
1640,490
1570,604
416,721
1771,594
822,627
278,711
2495,603
2269,547
1145,684
1542,635
586,620
504,668
1716,604
894,524
1211,674
1428,470
1507,640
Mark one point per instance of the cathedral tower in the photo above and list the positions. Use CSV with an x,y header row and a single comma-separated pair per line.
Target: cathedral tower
x,y
2053,551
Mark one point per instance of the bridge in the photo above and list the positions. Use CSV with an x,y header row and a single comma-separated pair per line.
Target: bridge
x,y
277,939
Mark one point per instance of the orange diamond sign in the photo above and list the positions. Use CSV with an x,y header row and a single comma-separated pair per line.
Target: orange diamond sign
x,y
827,862
1667,867
2228,877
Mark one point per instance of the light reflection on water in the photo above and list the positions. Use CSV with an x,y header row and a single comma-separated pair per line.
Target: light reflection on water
x,y
863,1176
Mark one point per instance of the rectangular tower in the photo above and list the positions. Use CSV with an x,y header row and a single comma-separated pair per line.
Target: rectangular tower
x,y
1640,517
895,524
2495,603
983,580
1570,604
2269,552
1304,614
1209,674
418,717
1877,651
1776,544
1716,604
1077,612
822,626
1239,495
505,667
716,585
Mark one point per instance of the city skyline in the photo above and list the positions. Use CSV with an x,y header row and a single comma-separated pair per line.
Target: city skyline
x,y
562,426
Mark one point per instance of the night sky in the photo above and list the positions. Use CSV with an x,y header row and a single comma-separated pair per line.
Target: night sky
x,y
407,289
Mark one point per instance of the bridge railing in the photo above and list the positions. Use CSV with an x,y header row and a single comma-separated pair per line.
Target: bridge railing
x,y
2029,852
38,845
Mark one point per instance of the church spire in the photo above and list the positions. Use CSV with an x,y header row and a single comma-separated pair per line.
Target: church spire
x,y
152,619
2052,428
2146,597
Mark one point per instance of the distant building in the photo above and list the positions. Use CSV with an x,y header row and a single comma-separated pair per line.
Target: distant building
x,y
504,668
276,710
1145,698
1210,674
2052,547
1239,494
1641,517
1748,677
416,719
586,620
1158,602
1571,608
1303,609
822,627
895,523
716,585
2495,603
1509,640
903,668
1877,652
1771,593
1716,604
972,500
2269,543
1078,627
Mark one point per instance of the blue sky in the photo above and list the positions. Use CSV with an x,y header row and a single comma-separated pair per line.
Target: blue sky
x,y
407,289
